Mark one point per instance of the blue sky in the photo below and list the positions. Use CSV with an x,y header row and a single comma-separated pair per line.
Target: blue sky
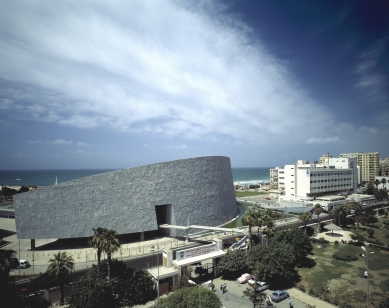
x,y
118,84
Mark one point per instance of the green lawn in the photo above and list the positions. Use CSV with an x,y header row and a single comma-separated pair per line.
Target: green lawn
x,y
380,235
346,279
241,193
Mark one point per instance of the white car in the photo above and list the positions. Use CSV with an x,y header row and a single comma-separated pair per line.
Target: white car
x,y
262,285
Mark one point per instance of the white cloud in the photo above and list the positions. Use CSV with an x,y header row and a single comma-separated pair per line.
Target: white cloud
x,y
34,142
183,146
372,84
83,144
370,130
322,140
164,68
79,152
60,142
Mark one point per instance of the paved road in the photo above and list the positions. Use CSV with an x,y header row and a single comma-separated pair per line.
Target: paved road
x,y
233,297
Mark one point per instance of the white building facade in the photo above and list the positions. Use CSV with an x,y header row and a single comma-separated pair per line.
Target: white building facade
x,y
335,176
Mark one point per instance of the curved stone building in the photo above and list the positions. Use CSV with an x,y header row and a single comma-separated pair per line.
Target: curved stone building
x,y
131,200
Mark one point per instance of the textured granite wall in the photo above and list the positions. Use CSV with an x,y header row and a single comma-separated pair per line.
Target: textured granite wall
x,y
125,200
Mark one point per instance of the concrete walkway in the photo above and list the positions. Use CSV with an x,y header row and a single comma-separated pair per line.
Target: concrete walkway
x,y
337,235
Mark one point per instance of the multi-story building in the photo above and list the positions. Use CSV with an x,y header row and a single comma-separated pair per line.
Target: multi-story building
x,y
384,166
335,176
324,158
274,178
369,165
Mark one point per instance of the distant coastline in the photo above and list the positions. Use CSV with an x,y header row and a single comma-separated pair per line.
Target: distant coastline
x,y
244,176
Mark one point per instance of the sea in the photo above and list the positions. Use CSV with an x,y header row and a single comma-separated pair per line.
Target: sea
x,y
243,176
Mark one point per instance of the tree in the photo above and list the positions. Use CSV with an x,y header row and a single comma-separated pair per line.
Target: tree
x,y
23,189
109,244
104,240
383,181
268,222
91,293
305,217
256,296
340,211
358,238
250,219
296,237
357,207
369,218
370,231
60,267
318,210
182,282
370,188
8,192
7,263
189,297
7,296
233,264
128,286
377,182
96,241
276,262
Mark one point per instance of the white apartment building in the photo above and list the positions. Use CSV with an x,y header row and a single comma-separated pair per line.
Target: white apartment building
x,y
369,165
335,176
384,166
274,178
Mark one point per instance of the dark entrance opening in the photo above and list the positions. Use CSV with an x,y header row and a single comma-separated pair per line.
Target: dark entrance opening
x,y
164,216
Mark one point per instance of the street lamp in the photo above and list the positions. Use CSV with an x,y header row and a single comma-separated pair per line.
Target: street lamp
x,y
152,250
192,282
367,272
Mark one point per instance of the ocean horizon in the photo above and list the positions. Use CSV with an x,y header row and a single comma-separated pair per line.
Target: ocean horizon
x,y
244,176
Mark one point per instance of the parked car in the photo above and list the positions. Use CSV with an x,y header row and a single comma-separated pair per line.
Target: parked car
x,y
244,278
279,295
262,285
22,264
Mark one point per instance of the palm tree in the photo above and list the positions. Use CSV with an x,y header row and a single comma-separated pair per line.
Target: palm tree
x,y
305,217
249,220
356,206
339,211
59,267
7,263
268,221
96,241
110,244
318,210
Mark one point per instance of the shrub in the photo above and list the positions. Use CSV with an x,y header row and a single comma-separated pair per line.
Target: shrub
x,y
320,240
336,242
311,291
344,256
300,287
370,231
374,241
